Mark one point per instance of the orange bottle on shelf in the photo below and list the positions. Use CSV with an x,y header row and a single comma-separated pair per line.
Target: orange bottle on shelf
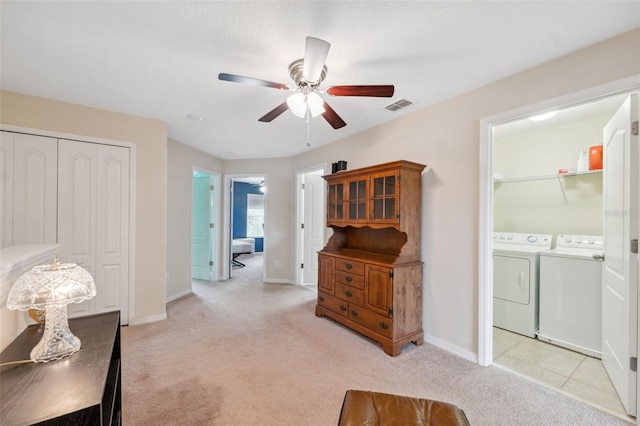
x,y
595,157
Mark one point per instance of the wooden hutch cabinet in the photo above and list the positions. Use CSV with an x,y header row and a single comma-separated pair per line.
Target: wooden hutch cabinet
x,y
370,271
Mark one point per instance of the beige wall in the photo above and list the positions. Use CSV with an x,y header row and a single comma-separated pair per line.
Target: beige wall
x,y
181,159
538,206
446,138
279,255
150,138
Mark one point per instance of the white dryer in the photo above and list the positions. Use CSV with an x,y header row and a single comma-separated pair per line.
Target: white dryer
x,y
515,280
571,294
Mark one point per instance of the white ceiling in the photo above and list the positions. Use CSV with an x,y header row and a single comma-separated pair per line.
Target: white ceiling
x,y
161,59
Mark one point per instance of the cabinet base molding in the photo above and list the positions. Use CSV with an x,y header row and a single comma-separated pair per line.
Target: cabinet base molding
x,y
390,347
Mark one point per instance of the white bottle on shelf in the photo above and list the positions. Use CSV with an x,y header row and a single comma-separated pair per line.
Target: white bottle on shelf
x,y
583,162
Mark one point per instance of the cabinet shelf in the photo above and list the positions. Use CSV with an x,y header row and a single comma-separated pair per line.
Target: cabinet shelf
x,y
558,176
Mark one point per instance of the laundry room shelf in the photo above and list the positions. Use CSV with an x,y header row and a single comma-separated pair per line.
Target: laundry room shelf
x,y
558,176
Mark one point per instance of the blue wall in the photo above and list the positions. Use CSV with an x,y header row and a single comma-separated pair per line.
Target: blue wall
x,y
240,191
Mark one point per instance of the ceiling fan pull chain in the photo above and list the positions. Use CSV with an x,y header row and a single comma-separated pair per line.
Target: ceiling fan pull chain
x,y
308,131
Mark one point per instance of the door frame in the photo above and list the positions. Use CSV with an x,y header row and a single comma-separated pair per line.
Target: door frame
x,y
214,206
485,202
226,232
299,234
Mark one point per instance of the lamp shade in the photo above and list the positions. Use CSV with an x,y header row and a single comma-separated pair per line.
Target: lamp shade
x,y
52,287
55,284
297,103
316,104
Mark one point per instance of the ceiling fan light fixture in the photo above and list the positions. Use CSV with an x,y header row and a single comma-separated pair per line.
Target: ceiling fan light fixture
x,y
316,104
297,104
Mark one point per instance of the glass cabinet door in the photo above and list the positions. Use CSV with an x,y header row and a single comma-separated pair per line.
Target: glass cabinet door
x,y
335,202
385,198
357,200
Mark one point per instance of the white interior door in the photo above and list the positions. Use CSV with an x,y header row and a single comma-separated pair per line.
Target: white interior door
x,y
619,293
29,189
93,220
313,239
112,229
200,229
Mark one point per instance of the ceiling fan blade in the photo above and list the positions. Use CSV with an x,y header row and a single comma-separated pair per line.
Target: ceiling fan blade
x,y
274,113
315,55
249,80
332,117
381,91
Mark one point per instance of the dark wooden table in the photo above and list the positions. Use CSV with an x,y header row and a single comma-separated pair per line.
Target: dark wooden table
x,y
82,389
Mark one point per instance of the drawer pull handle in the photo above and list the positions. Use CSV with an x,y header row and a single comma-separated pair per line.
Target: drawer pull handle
x,y
348,293
348,279
343,308
383,325
349,266
354,313
320,298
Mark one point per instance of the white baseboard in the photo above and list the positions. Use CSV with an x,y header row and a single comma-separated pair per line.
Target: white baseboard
x,y
456,350
145,320
178,296
278,281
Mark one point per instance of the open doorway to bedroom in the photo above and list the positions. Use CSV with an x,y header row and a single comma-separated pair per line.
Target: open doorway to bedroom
x,y
245,235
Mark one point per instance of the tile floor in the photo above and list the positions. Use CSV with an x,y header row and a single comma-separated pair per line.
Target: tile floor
x,y
572,372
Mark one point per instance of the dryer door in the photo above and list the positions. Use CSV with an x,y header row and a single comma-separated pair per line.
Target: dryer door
x,y
511,280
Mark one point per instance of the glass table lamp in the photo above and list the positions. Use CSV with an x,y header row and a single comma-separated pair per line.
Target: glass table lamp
x,y
51,287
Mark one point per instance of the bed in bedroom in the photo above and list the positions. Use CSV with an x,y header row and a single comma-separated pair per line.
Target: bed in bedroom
x,y
239,247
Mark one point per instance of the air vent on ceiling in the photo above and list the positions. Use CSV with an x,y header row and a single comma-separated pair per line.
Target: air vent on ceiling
x,y
402,103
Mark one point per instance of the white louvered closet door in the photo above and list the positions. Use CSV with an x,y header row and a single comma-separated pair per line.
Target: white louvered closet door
x,y
93,220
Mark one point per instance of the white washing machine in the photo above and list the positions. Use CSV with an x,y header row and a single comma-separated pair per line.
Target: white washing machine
x,y
571,294
515,280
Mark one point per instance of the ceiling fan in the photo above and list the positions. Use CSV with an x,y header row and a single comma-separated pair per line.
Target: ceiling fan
x,y
307,74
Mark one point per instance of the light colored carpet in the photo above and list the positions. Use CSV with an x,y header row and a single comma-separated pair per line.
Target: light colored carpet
x,y
244,352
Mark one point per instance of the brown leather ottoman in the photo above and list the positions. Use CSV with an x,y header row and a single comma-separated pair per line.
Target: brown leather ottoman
x,y
364,408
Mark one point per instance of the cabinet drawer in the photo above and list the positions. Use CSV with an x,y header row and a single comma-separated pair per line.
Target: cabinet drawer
x,y
333,303
350,278
370,320
351,294
350,266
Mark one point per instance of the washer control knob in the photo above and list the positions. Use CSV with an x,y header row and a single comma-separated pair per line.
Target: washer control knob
x,y
567,239
510,237
598,256
532,238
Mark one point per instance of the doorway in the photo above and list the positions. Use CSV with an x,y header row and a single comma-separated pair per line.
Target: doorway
x,y
489,128
204,225
310,224
245,231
